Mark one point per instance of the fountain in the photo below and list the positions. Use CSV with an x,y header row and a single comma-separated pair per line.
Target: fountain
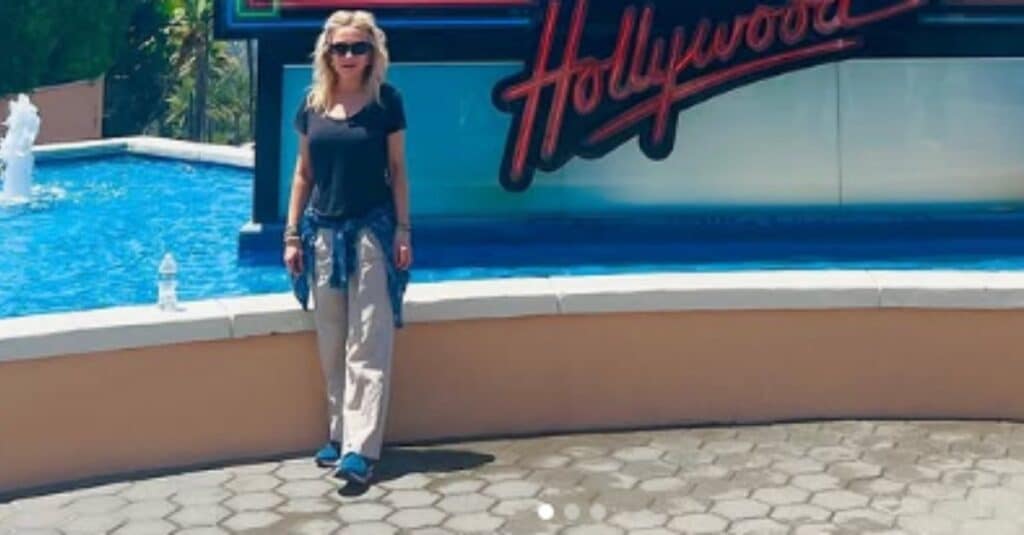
x,y
16,159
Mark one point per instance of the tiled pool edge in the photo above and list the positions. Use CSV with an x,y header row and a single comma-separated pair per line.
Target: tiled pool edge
x,y
148,146
49,335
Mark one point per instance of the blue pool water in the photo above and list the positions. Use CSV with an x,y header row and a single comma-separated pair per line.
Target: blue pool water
x,y
97,235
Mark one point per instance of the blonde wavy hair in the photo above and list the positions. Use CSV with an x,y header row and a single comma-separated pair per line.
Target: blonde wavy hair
x,y
324,77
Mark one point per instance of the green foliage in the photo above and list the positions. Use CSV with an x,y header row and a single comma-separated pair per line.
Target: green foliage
x,y
137,83
211,94
47,42
165,74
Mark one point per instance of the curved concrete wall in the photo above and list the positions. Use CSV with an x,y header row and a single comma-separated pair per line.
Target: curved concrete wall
x,y
204,402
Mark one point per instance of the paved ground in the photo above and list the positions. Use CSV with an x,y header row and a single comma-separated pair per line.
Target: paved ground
x,y
837,477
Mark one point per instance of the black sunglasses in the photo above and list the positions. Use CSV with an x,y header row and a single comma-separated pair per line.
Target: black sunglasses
x,y
358,48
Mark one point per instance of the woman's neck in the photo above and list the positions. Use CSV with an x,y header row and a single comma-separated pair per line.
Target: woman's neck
x,y
347,88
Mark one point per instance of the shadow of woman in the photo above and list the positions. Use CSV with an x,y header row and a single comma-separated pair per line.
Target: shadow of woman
x,y
399,462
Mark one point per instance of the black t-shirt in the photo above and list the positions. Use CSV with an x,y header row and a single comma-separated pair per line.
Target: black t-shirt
x,y
349,157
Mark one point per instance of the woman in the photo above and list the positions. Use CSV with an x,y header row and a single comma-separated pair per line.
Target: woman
x,y
350,246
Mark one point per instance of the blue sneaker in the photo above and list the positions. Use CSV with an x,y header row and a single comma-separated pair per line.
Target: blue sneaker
x,y
355,468
328,455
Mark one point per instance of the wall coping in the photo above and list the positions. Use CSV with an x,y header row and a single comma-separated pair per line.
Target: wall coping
x,y
108,329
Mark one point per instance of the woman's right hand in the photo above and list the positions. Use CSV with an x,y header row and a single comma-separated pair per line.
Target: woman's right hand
x,y
293,258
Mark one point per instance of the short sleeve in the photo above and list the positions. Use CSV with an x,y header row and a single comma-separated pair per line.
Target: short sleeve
x,y
302,118
395,109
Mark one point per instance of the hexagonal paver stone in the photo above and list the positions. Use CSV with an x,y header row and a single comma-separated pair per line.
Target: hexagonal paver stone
x,y
608,480
411,481
837,500
663,484
564,478
514,507
404,499
800,512
459,486
908,473
726,447
255,468
1002,466
639,453
200,515
638,519
896,505
539,462
598,464
624,500
649,469
877,486
678,505
744,461
369,528
146,527
96,505
961,509
512,489
1003,502
202,531
990,527
699,523
652,531
100,523
500,473
739,509
152,489
852,470
363,512
305,489
831,454
593,529
863,519
306,506
759,477
970,478
416,518
316,526
252,520
758,526
205,478
200,496
584,451
930,524
254,501
253,483
823,528
293,471
799,466
815,482
147,510
934,491
598,512
475,523
465,503
781,495
718,489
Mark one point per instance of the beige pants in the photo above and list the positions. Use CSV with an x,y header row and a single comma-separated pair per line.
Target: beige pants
x,y
355,335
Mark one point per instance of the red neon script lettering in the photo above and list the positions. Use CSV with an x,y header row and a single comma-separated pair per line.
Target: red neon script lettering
x,y
668,70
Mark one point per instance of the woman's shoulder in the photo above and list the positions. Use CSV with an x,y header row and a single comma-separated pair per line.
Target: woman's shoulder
x,y
389,94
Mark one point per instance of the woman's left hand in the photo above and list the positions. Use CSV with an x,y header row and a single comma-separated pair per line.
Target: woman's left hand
x,y
403,250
